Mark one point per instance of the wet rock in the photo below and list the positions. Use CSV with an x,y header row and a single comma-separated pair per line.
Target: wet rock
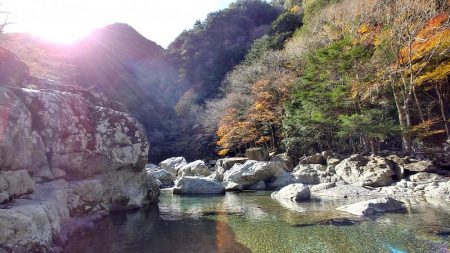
x,y
374,206
173,164
253,171
198,185
293,192
366,171
257,154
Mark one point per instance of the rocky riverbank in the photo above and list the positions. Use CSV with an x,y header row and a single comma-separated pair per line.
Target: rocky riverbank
x,y
67,155
324,175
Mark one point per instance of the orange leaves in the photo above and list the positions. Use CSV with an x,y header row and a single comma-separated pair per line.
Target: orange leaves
x,y
255,125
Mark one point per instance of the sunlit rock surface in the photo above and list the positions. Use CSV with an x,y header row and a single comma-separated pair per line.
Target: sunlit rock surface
x,y
65,153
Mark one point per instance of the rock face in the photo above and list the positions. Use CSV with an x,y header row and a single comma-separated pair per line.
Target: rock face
x,y
65,153
373,206
257,154
366,171
293,192
252,171
198,185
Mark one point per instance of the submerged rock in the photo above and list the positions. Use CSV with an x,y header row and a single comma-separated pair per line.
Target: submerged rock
x,y
374,206
293,192
198,185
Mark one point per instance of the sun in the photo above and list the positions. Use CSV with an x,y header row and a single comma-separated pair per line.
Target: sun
x,y
60,33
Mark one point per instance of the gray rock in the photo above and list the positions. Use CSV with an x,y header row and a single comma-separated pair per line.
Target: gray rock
x,y
420,166
216,176
196,168
231,186
322,186
252,171
258,186
198,185
441,191
373,206
285,159
309,173
166,178
257,154
293,192
151,166
281,181
16,183
228,163
173,164
425,177
366,171
313,159
346,191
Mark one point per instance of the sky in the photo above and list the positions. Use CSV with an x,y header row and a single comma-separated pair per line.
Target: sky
x,y
65,21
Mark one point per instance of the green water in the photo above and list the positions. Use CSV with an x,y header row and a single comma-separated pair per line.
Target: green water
x,y
253,222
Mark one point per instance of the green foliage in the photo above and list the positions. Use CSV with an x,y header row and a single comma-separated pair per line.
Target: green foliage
x,y
369,123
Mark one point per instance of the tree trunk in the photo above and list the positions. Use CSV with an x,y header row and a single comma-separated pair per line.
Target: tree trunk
x,y
402,115
441,105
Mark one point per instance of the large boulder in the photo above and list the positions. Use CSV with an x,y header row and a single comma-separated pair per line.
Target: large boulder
x,y
12,70
196,168
314,159
173,164
293,192
225,164
281,181
374,206
366,171
15,183
420,166
439,191
285,159
198,185
344,191
257,154
425,177
309,173
253,171
166,178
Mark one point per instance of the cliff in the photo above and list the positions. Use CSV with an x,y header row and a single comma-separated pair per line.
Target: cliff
x,y
65,153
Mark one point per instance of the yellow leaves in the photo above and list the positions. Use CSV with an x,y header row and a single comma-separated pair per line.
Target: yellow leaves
x,y
364,28
425,129
296,9
223,152
437,74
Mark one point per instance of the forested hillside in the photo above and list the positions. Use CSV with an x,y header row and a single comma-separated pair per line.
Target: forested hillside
x,y
354,76
358,76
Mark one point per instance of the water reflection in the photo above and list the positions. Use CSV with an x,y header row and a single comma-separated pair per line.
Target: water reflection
x,y
253,222
145,231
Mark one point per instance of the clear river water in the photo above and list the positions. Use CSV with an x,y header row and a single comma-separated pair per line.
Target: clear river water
x,y
253,222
